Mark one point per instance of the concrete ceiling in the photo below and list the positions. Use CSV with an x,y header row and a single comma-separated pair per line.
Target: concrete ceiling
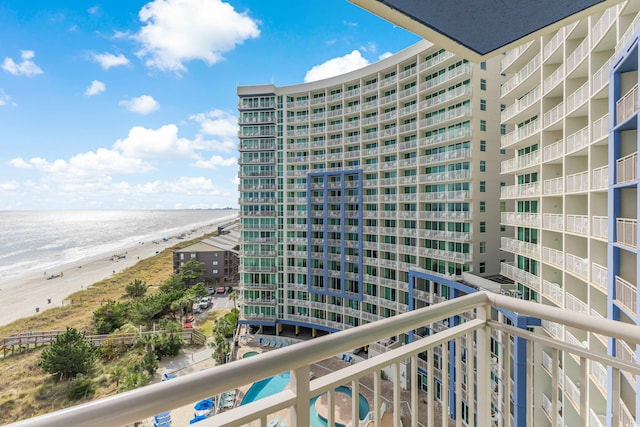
x,y
478,29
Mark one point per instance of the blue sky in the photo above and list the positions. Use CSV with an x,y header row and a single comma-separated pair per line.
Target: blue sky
x,y
126,104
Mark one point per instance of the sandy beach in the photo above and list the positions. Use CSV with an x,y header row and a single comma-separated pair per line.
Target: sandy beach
x,y
28,295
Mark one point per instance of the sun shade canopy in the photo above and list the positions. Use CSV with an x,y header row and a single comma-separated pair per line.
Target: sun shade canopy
x,y
478,29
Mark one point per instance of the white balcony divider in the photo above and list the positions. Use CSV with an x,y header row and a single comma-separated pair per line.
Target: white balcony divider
x,y
143,403
531,189
513,54
601,77
520,162
554,79
627,168
520,133
578,97
603,24
577,55
522,75
572,303
553,291
627,105
553,44
553,115
521,104
626,37
627,231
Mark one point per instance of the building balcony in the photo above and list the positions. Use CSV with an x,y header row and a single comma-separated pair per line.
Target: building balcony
x,y
627,168
400,362
520,219
627,231
529,160
531,189
627,296
627,105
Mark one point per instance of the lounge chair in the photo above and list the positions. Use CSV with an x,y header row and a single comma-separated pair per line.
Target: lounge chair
x,y
162,418
228,404
279,343
166,376
163,424
286,342
260,340
274,421
266,342
273,342
344,357
350,359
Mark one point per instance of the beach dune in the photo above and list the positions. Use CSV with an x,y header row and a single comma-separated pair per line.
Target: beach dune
x,y
25,296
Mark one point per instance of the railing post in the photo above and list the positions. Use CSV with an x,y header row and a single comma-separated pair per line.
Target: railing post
x,y
300,387
414,391
377,390
483,347
355,403
396,394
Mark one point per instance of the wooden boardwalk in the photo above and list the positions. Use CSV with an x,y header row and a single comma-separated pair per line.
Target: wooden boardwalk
x,y
26,340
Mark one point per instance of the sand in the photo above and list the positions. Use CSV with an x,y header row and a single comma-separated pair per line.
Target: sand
x,y
28,295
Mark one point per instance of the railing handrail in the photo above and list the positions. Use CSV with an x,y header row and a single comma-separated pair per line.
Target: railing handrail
x,y
145,402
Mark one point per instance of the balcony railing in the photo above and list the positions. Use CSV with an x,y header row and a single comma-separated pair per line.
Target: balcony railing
x,y
627,231
401,362
627,168
627,105
627,295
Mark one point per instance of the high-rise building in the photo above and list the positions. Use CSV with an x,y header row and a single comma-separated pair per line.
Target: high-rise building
x,y
571,118
349,184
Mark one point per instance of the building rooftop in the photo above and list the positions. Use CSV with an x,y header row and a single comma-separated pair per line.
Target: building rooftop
x,y
466,27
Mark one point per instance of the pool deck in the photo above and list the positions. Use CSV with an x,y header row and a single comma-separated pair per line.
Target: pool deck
x,y
193,360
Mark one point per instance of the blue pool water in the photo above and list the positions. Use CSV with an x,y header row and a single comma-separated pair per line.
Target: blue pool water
x,y
277,383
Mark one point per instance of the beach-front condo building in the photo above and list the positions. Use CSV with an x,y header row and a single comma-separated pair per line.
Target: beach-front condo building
x,y
349,184
356,190
571,118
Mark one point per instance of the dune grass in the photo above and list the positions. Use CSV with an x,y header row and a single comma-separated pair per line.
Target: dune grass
x,y
26,390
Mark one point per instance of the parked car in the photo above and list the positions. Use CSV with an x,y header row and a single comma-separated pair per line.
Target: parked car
x,y
205,302
230,289
221,290
211,290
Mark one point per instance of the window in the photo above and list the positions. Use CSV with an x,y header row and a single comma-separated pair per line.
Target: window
x,y
483,267
215,262
503,227
483,145
483,125
483,186
503,151
483,166
483,84
483,247
483,105
483,226
503,129
483,206
483,65
214,271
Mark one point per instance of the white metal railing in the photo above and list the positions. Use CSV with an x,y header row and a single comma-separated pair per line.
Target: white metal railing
x,y
520,247
553,44
601,77
401,362
600,178
627,231
522,75
513,54
577,55
577,265
553,151
531,189
628,34
627,295
601,26
553,291
627,105
578,140
553,186
552,81
577,182
572,303
627,168
578,224
526,219
553,221
553,256
553,115
599,227
578,97
519,162
600,127
599,276
520,133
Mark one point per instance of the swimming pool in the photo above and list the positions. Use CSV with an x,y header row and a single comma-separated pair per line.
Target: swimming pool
x,y
277,383
250,354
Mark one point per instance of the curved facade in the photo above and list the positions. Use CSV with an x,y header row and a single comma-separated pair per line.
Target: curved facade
x,y
349,184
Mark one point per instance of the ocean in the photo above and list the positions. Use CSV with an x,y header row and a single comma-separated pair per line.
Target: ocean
x,y
39,240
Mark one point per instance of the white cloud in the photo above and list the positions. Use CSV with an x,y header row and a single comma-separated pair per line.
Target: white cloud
x,y
95,88
336,66
102,162
178,31
108,60
384,56
215,162
217,122
25,68
4,98
20,163
94,10
143,104
148,143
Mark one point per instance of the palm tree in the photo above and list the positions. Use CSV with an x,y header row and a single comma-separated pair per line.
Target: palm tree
x,y
221,348
233,296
